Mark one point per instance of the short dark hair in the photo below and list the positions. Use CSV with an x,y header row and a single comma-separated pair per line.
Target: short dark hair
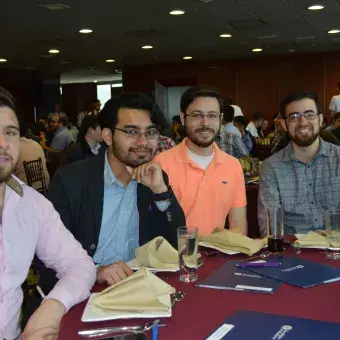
x,y
177,119
338,85
63,118
88,122
336,116
108,117
296,96
200,91
258,116
6,99
37,128
241,120
228,113
96,101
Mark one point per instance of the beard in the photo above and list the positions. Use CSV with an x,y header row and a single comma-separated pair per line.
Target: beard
x,y
6,171
130,158
202,142
304,140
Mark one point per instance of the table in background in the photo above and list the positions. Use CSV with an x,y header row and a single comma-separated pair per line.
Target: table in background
x,y
204,309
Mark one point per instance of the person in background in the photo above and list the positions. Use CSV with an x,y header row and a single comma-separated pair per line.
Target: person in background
x,y
208,183
334,105
29,226
255,124
30,150
237,110
120,199
82,114
39,132
279,140
262,131
72,127
96,105
335,123
176,124
241,123
165,143
304,177
62,136
233,141
89,140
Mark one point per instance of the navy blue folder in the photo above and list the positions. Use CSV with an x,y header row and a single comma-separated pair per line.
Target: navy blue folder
x,y
230,277
299,272
261,326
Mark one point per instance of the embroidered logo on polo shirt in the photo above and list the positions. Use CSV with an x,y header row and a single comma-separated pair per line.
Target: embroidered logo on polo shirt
x,y
224,182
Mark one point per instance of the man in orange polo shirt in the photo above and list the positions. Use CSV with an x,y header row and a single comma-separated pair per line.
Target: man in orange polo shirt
x,y
208,183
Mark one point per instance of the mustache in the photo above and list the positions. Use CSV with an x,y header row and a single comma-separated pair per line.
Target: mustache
x,y
140,149
204,129
4,154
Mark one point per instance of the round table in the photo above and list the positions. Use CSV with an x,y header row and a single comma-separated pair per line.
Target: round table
x,y
204,309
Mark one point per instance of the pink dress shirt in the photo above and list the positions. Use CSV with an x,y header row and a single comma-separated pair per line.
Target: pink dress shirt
x,y
31,225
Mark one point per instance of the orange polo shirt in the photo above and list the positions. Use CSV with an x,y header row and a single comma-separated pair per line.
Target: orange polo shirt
x,y
206,196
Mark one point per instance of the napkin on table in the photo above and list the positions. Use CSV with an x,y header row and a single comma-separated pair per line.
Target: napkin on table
x,y
312,239
227,240
138,292
158,253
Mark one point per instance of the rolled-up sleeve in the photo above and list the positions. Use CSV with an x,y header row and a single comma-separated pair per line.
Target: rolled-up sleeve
x,y
59,250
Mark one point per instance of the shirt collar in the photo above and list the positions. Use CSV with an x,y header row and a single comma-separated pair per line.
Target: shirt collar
x,y
181,154
15,185
61,129
109,177
324,149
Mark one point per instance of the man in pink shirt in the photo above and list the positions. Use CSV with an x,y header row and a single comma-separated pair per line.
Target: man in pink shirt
x,y
29,225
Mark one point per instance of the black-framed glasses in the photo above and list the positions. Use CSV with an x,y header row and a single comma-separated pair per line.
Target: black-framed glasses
x,y
199,116
294,117
134,133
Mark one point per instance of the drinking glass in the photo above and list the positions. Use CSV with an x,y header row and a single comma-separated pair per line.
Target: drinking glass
x,y
187,238
332,228
275,229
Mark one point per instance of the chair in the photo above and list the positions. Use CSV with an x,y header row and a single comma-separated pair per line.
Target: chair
x,y
35,173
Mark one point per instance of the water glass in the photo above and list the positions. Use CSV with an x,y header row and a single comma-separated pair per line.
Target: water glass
x,y
332,228
275,229
187,238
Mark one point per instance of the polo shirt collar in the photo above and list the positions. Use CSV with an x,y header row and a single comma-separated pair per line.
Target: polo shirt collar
x,y
181,154
15,185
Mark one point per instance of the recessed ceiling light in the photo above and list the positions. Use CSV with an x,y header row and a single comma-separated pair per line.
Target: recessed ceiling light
x,y
257,49
3,60
334,31
225,35
85,31
187,57
117,85
53,51
147,47
291,51
316,7
110,60
177,12
95,81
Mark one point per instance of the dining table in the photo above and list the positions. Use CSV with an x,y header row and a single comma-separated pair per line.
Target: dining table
x,y
203,310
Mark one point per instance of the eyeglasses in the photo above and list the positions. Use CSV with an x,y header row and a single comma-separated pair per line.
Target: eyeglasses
x,y
294,117
134,133
210,116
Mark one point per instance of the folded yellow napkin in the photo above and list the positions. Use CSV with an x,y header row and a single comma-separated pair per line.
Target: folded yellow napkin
x,y
227,240
138,292
312,239
158,253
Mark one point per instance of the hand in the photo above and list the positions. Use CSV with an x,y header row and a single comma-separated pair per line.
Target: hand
x,y
45,322
149,174
113,273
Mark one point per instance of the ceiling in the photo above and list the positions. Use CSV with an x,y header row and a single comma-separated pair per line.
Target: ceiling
x,y
122,27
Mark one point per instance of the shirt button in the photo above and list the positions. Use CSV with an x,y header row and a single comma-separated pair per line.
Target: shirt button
x,y
316,219
308,166
310,184
312,202
92,246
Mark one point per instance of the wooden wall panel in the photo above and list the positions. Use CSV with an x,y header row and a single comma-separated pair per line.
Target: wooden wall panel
x,y
257,84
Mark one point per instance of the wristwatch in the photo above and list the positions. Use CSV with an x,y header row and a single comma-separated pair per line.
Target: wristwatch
x,y
164,196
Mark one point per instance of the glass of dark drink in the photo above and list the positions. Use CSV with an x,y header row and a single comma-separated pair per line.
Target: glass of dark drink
x,y
275,230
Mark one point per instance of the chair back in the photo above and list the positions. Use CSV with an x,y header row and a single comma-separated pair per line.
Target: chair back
x,y
35,174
